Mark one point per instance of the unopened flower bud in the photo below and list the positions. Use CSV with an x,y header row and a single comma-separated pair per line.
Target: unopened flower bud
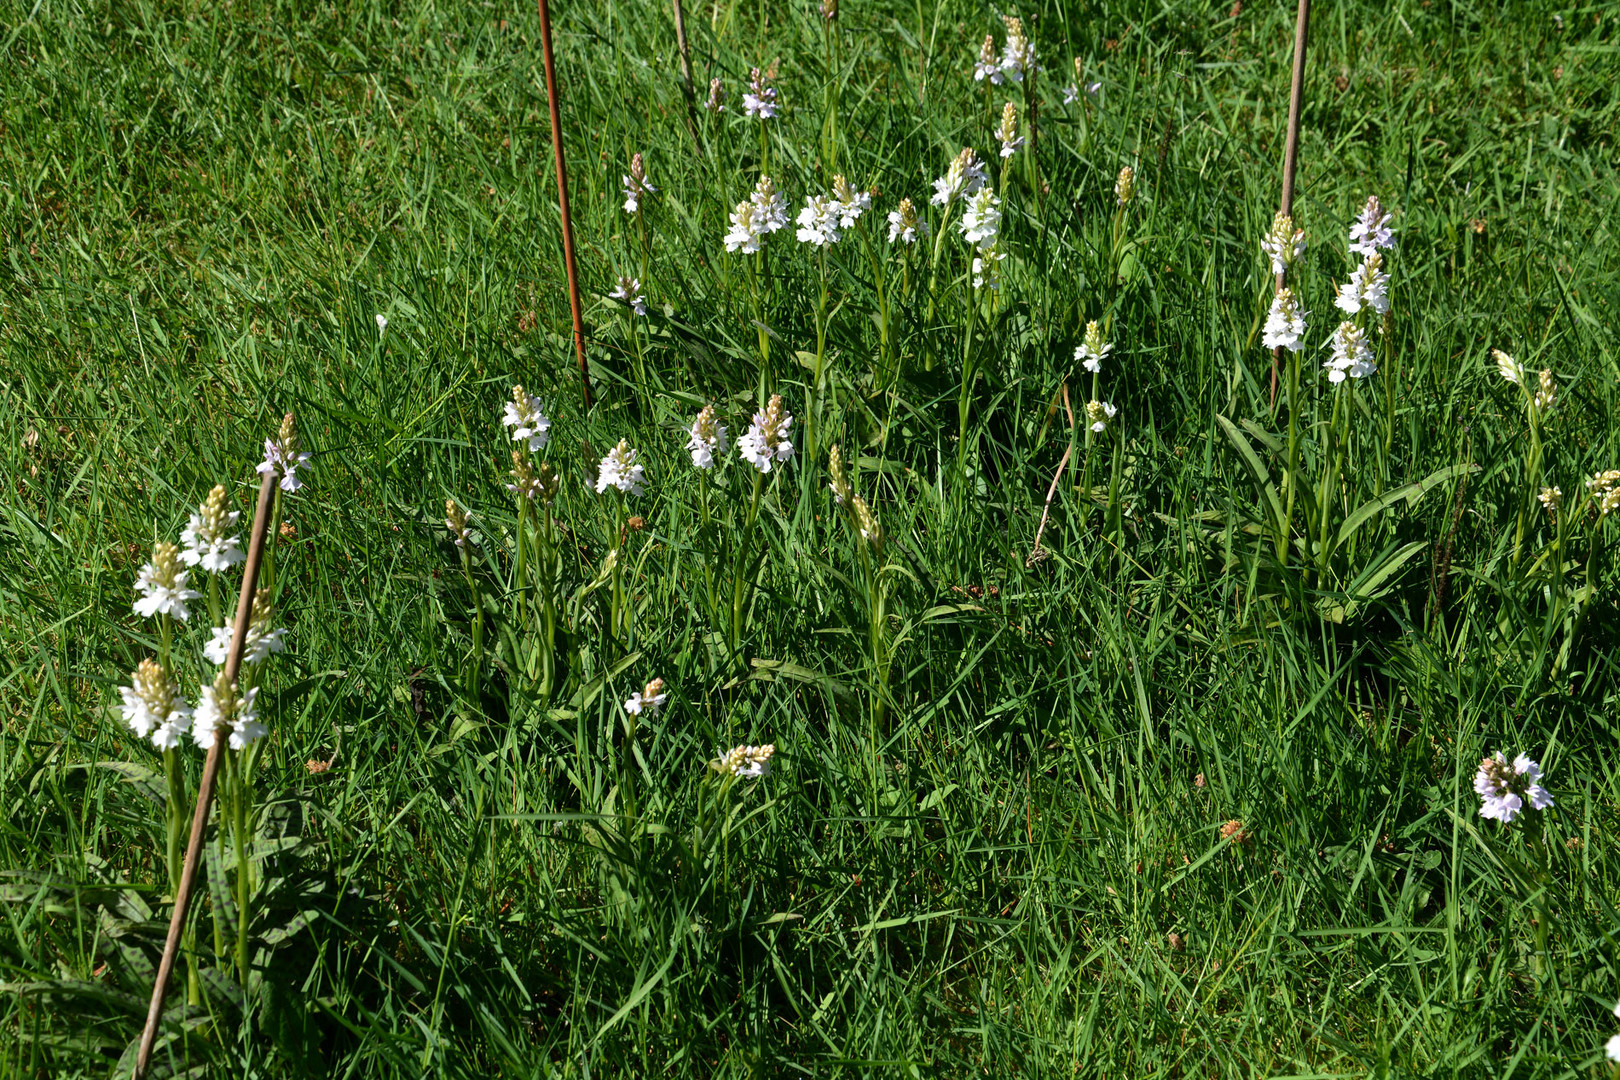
x,y
1546,392
835,469
866,521
455,520
1125,186
548,483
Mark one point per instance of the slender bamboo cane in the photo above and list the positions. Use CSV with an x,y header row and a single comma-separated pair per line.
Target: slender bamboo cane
x,y
1296,95
205,791
562,202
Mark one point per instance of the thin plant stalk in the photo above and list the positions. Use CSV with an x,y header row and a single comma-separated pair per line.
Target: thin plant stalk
x,y
740,568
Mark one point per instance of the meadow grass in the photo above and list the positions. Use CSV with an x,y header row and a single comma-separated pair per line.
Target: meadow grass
x,y
996,838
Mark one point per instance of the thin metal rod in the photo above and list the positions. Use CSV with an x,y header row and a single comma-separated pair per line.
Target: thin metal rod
x,y
205,792
562,201
686,74
1296,96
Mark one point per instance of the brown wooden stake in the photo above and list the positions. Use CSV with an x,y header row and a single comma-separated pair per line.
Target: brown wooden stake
x,y
562,201
1296,95
205,792
686,75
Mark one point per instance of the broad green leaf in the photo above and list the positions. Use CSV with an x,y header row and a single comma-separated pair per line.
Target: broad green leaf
x,y
1262,475
1410,492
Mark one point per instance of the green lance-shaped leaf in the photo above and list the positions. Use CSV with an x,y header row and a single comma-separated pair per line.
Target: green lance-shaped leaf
x,y
1262,475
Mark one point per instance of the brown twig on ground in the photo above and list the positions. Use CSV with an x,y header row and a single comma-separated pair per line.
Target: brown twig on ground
x,y
205,790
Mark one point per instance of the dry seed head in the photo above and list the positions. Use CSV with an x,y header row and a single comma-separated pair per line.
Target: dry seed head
x,y
1125,186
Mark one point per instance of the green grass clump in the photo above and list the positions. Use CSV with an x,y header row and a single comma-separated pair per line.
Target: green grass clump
x,y
1120,753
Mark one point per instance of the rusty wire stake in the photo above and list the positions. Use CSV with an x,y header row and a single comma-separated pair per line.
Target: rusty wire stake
x,y
562,202
205,792
1296,95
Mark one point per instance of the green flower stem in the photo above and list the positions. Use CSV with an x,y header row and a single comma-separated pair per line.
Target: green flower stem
x,y
1291,477
616,587
520,577
475,666
812,417
544,585
267,568
242,844
740,566
933,282
756,272
1330,479
967,386
1532,475
176,831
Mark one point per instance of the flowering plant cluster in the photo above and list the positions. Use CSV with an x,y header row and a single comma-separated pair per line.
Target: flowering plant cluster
x,y
1506,789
